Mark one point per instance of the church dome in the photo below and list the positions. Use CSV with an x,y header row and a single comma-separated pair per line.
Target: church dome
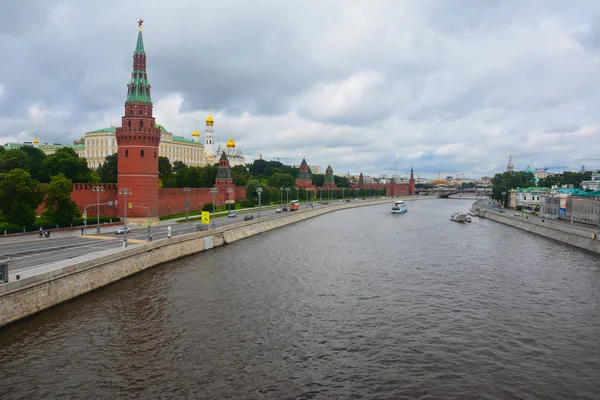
x,y
35,141
230,143
195,134
209,119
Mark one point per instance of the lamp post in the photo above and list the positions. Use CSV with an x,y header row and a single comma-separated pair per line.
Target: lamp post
x,y
342,193
186,190
169,211
320,194
228,198
281,196
297,193
503,203
287,195
125,192
98,189
213,192
356,190
259,192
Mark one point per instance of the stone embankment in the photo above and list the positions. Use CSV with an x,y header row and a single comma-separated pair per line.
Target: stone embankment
x,y
578,238
68,279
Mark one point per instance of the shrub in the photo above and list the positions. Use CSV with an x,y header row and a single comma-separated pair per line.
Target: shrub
x,y
207,207
519,208
247,204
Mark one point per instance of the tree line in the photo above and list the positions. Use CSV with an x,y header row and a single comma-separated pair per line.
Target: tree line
x,y
28,176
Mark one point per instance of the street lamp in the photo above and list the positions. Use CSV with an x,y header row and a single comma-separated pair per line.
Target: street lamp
x,y
98,189
259,192
503,203
342,193
169,210
125,192
320,194
287,195
228,198
297,192
213,192
186,190
281,196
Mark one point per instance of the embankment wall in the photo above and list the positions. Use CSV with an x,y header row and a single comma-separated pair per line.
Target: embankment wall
x,y
19,299
568,236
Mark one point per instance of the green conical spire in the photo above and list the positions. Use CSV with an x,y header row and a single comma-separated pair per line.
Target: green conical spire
x,y
139,48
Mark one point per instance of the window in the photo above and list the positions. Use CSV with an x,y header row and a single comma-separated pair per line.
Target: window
x,y
130,112
154,153
126,153
129,124
141,124
141,112
142,153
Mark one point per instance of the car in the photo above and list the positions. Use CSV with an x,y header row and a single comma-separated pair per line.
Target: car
x,y
121,231
284,209
232,215
496,209
248,217
278,210
347,200
517,214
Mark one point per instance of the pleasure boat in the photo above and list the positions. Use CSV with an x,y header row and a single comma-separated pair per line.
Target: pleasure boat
x,y
399,207
459,217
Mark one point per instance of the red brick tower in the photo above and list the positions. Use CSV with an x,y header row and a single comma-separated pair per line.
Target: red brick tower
x,y
223,179
303,180
138,139
411,183
329,181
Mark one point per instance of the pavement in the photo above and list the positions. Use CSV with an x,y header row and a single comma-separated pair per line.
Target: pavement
x,y
564,225
29,253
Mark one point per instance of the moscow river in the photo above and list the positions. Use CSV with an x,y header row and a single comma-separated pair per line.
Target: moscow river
x,y
350,305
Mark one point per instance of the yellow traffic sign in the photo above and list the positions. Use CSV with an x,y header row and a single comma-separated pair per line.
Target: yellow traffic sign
x,y
149,222
205,217
130,205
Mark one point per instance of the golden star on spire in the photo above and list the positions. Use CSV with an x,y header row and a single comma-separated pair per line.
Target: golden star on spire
x,y
140,23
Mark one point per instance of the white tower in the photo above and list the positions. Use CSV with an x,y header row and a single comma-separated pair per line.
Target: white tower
x,y
510,167
209,141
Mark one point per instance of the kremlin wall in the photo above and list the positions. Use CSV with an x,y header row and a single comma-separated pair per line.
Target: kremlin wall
x,y
138,140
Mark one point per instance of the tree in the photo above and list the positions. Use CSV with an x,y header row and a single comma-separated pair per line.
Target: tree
x,y
20,195
251,194
240,175
279,180
2,150
13,159
108,171
35,157
510,180
60,209
164,167
67,162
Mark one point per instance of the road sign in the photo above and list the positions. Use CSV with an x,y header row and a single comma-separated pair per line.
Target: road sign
x,y
205,217
130,205
185,203
110,203
149,222
85,214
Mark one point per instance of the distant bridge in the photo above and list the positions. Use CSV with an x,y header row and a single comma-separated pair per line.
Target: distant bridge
x,y
446,193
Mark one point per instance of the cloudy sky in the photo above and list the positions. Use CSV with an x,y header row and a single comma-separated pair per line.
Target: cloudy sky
x,y
454,85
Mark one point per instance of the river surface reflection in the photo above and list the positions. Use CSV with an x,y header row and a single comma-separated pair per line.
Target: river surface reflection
x,y
354,304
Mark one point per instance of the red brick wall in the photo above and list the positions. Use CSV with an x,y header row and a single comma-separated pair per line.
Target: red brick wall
x,y
83,195
197,197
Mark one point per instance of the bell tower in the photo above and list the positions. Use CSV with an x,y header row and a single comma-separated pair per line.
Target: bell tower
x,y
138,140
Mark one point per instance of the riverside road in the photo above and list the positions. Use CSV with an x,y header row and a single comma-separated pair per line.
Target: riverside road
x,y
30,251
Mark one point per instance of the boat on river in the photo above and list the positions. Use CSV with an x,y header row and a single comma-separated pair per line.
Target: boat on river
x,y
460,217
399,207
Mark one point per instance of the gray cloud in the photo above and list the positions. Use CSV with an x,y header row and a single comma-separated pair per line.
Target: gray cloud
x,y
449,85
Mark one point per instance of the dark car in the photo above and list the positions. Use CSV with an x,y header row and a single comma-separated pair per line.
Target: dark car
x,y
285,209
248,217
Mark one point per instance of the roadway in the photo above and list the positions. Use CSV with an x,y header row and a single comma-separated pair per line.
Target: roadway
x,y
31,251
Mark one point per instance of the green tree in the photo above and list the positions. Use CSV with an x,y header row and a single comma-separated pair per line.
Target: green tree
x,y
20,195
60,209
67,162
510,180
2,150
240,175
13,159
251,194
108,171
35,157
164,167
279,180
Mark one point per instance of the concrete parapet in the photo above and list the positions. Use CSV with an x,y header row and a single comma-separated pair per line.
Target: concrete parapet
x,y
573,237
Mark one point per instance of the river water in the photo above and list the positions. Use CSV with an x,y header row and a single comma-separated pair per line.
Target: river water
x,y
354,304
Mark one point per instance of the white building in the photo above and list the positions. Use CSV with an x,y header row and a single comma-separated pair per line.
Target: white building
x,y
594,183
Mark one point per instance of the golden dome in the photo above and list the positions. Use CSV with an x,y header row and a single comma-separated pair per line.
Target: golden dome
x,y
209,120
35,141
195,133
230,143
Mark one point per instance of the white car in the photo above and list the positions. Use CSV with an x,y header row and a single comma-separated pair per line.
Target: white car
x,y
121,231
517,215
232,215
278,210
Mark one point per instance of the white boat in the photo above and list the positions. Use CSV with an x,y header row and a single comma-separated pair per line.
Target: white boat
x,y
399,207
460,217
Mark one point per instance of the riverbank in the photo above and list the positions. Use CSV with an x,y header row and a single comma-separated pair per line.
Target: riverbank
x,y
582,239
59,282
